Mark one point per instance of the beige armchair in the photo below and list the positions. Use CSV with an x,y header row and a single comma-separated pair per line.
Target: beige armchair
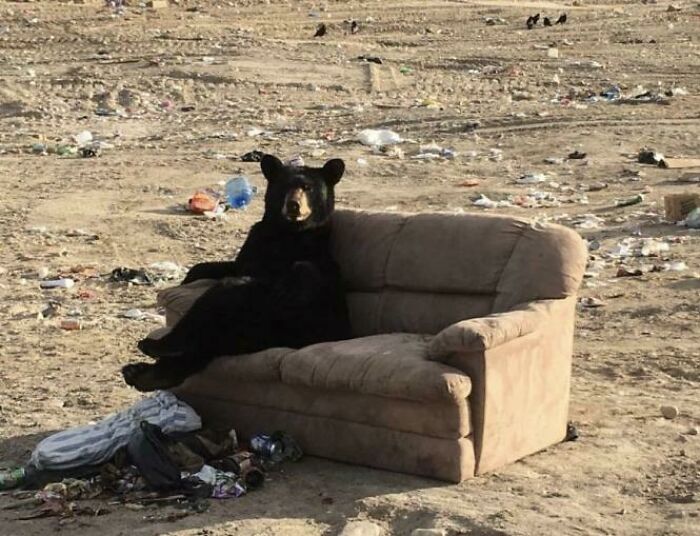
x,y
462,356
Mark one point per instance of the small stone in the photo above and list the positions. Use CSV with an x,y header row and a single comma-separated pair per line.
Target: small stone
x,y
669,412
361,528
693,430
429,532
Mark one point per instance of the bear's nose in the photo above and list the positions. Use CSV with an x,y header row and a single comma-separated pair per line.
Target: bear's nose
x,y
293,207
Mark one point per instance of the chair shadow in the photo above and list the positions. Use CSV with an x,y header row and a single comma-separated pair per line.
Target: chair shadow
x,y
320,491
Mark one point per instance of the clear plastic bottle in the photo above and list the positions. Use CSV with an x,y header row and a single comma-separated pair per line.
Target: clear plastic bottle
x,y
239,192
14,478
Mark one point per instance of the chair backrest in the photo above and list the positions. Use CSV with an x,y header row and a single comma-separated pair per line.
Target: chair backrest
x,y
419,273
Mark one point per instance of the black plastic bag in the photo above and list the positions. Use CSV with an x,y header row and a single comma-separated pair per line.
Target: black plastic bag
x,y
148,451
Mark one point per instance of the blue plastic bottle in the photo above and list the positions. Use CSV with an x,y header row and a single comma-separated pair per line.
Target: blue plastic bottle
x,y
239,192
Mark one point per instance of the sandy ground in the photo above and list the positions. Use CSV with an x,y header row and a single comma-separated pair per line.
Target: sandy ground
x,y
491,92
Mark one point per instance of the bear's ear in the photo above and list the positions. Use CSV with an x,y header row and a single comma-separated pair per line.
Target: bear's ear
x,y
272,167
333,170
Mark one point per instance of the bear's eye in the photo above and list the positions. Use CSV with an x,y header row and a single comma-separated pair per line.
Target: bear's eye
x,y
307,187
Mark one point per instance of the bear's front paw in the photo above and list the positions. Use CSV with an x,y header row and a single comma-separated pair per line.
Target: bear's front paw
x,y
145,377
157,348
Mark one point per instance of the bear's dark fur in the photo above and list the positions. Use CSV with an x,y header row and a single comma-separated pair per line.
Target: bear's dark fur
x,y
283,289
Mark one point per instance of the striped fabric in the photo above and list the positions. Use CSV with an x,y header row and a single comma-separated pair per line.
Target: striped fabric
x,y
97,443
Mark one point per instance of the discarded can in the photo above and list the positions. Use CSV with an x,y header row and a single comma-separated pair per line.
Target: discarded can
x,y
71,324
629,201
244,465
58,283
12,478
266,447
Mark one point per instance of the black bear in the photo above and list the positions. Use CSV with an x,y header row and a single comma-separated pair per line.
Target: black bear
x,y
283,289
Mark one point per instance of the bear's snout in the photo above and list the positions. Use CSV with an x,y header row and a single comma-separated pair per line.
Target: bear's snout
x,y
296,205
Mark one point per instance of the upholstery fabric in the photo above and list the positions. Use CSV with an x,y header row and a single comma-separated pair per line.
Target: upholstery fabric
x,y
520,398
371,446
393,366
448,420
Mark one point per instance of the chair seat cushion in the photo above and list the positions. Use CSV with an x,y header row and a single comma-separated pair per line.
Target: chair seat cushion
x,y
393,365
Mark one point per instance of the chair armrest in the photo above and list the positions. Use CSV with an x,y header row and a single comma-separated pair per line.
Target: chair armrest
x,y
519,363
480,334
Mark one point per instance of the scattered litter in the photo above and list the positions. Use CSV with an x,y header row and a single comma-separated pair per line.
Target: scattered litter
x,y
254,131
648,156
639,247
676,266
623,271
378,137
692,220
71,324
89,152
493,21
166,270
202,202
130,275
12,478
553,52
595,186
321,30
51,310
224,485
138,314
531,178
629,201
83,138
612,93
392,151
554,160
485,202
239,192
591,303
434,151
371,59
57,283
588,222
252,156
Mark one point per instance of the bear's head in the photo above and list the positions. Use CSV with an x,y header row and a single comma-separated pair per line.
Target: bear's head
x,y
302,197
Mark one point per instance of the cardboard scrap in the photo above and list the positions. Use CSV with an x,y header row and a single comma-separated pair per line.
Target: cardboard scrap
x,y
678,163
678,206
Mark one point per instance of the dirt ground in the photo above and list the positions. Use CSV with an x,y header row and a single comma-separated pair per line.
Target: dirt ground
x,y
177,92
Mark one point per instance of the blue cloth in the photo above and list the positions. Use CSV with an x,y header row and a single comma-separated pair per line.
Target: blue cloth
x,y
98,443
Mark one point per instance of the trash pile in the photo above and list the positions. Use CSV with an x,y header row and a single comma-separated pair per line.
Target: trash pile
x,y
385,141
67,288
615,95
154,453
633,257
237,193
82,145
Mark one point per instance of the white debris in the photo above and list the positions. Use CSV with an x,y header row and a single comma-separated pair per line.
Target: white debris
x,y
378,137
